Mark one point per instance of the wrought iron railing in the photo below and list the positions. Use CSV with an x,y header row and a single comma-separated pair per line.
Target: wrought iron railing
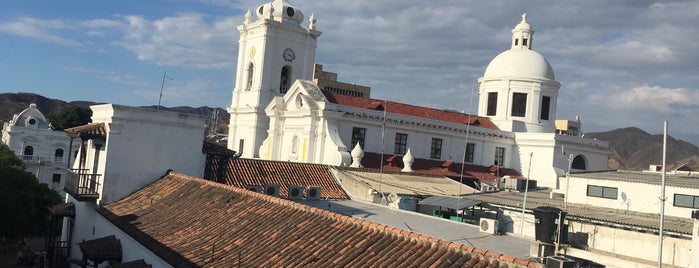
x,y
82,185
57,252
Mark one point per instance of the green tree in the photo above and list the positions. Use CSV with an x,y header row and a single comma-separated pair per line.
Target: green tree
x,y
24,202
72,117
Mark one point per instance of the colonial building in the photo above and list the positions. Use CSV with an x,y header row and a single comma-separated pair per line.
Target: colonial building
x,y
126,205
278,113
44,152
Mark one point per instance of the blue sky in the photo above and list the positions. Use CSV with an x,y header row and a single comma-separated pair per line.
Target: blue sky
x,y
620,63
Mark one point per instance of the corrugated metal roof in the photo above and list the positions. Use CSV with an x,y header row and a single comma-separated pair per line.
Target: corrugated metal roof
x,y
675,180
450,202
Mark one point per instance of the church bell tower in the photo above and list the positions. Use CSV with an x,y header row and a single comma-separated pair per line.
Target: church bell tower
x,y
273,51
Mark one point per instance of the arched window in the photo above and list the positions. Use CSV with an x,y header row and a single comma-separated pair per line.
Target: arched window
x,y
251,70
28,153
28,150
58,155
579,163
285,81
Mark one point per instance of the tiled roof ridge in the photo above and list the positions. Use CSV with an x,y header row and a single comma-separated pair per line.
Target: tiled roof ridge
x,y
279,161
376,170
88,126
385,103
365,223
374,104
454,168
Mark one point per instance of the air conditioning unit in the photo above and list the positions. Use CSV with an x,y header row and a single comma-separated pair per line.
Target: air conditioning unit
x,y
254,188
313,193
559,262
488,226
296,192
272,189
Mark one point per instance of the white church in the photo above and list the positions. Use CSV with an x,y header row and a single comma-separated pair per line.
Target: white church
x,y
278,113
44,151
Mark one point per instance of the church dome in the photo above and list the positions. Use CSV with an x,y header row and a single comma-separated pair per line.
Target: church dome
x,y
280,10
519,63
30,117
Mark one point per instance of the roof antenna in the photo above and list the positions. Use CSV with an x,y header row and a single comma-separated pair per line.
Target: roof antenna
x,y
162,85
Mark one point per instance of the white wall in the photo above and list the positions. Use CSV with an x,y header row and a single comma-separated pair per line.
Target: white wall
x,y
131,249
142,144
641,248
632,196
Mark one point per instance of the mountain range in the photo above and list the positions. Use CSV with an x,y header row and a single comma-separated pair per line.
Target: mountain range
x,y
632,148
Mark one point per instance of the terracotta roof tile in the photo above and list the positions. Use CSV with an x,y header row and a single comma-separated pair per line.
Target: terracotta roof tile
x,y
410,110
89,131
183,220
243,172
447,168
210,148
63,209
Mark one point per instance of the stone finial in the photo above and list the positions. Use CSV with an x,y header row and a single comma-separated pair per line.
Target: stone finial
x,y
248,15
312,22
524,17
408,160
357,155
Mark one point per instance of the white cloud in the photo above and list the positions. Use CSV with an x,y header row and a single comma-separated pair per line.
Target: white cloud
x,y
113,76
626,64
194,92
43,30
655,98
186,40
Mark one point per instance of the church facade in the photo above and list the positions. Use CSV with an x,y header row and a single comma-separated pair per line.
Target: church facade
x,y
45,152
278,113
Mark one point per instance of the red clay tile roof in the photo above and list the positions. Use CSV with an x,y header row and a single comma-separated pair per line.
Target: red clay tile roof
x,y
89,131
410,110
243,172
448,168
63,209
210,148
190,222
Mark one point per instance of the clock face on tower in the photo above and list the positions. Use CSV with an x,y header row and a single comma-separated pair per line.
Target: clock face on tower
x,y
288,55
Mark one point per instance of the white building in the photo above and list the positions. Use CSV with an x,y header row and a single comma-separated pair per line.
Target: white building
x,y
125,149
637,191
514,127
44,152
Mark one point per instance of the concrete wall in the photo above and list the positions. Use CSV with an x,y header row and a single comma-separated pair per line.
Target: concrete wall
x,y
142,144
618,246
613,247
632,196
131,249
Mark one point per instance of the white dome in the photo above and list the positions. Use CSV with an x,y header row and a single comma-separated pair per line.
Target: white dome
x,y
519,63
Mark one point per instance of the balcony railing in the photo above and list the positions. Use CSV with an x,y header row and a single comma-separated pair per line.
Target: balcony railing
x,y
33,159
83,186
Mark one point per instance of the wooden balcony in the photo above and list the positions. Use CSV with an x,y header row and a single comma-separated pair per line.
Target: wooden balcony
x,y
83,186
